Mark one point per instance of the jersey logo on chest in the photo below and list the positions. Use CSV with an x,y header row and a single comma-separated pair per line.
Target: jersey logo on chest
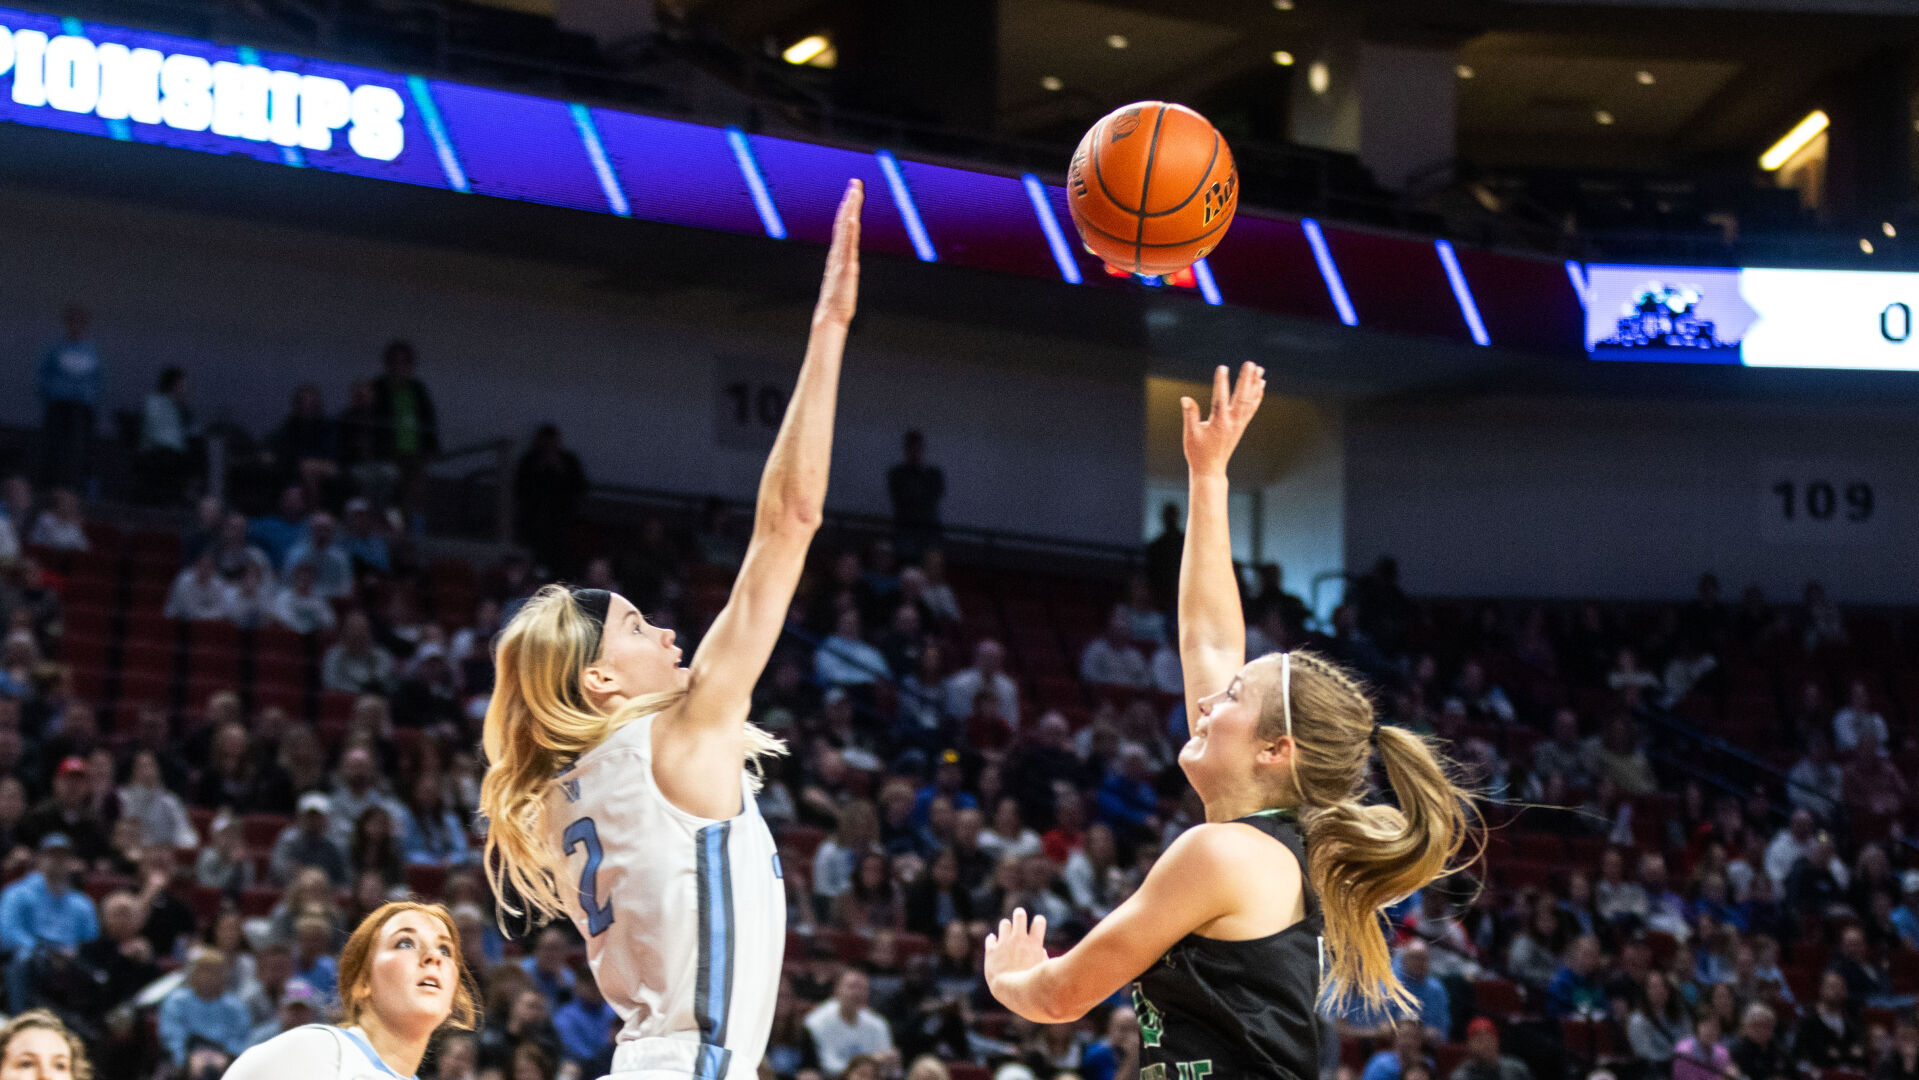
x,y
571,789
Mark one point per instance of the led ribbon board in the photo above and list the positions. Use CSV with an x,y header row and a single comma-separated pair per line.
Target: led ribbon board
x,y
138,86
1753,316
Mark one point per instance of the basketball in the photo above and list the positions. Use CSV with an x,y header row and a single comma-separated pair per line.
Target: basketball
x,y
1152,188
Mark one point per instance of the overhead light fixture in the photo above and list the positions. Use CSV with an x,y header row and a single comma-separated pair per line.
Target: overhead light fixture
x,y
806,49
1319,77
1644,77
1283,58
1795,140
1117,41
1886,227
1051,82
1282,5
1603,118
1465,71
1865,245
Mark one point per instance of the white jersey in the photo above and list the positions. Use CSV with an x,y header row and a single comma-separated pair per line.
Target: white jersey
x,y
313,1052
684,917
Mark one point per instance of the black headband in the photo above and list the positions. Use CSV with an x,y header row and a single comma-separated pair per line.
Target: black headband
x,y
593,605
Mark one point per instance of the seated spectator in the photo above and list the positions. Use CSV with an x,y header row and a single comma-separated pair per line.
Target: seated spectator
x,y
938,596
1756,1053
306,445
1905,918
435,834
355,664
547,968
250,599
586,1024
1852,724
1813,887
203,1011
1701,1055
298,604
63,525
528,1029
224,863
1407,1055
1113,1057
67,812
320,548
308,842
1112,659
989,673
838,857
1148,626
1007,836
144,798
1816,783
43,916
198,592
1868,983
1414,963
1533,958
1665,909
299,1006
1902,1060
429,696
233,552
1615,754
1874,786
1657,1023
163,463
358,784
119,963
937,899
363,539
228,779
845,659
875,903
1829,1035
1483,1059
1564,754
1575,990
1485,702
9,536
986,730
373,848
844,1028
1128,801
1789,845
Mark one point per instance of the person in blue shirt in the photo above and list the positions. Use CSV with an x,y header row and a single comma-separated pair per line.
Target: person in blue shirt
x,y
203,1010
42,912
1905,917
548,969
68,380
587,1023
1127,799
845,659
1435,1008
1407,1054
1117,1055
1575,989
276,535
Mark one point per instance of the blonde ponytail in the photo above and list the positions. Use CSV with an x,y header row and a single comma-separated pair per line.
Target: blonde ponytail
x,y
537,723
1362,857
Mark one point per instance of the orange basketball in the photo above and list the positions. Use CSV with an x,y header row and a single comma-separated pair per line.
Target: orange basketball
x,y
1152,188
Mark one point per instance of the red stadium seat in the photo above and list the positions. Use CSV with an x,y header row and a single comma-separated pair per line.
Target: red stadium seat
x,y
1498,998
258,902
261,830
426,881
1447,1056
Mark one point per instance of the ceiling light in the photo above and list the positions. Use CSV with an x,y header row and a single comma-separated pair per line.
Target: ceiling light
x,y
1465,71
1116,41
806,49
1603,117
1886,227
1645,78
1865,245
1282,5
1051,82
1319,77
1283,58
1795,140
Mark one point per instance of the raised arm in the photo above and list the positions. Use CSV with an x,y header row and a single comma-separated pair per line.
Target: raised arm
x,y
791,501
1212,628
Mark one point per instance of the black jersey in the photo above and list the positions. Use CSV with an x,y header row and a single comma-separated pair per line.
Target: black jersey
x,y
1222,1010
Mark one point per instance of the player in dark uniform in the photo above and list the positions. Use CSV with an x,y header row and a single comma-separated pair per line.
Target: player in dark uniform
x,y
1229,937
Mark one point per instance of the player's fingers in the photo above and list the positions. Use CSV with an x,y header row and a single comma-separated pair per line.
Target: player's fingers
x,y
1005,928
1189,411
1039,927
1222,389
1019,921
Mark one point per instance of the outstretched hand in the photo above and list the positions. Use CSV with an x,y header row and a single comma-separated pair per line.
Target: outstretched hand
x,y
1209,443
840,289
1017,947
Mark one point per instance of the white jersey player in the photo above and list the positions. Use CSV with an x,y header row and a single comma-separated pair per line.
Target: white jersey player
x,y
618,791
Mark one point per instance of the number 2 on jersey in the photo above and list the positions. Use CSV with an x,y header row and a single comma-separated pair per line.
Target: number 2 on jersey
x,y
598,916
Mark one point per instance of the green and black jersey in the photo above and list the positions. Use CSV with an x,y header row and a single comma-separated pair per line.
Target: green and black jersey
x,y
1223,1010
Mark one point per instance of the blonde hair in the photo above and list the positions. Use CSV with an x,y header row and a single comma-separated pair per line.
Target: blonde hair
x,y
356,965
1361,857
537,723
77,1061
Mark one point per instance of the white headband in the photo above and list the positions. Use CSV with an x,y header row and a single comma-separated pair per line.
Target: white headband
x,y
1286,690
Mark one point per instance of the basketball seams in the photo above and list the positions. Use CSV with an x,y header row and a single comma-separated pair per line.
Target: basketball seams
x,y
1144,244
1188,200
1146,185
1099,175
